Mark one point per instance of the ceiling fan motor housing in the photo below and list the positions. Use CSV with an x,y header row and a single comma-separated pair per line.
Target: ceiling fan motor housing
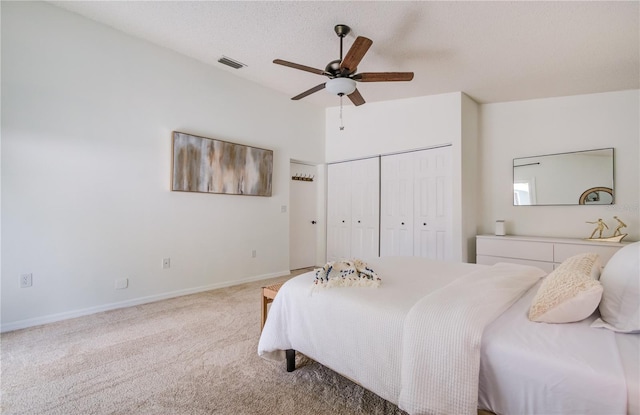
x,y
333,68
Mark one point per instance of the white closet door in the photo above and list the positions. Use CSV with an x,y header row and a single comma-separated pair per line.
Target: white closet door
x,y
365,208
338,211
396,216
433,203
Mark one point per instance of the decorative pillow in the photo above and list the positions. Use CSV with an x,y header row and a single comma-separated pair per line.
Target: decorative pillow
x,y
569,293
337,269
597,269
620,305
346,273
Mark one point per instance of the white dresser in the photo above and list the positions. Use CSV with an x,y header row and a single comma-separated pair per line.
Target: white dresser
x,y
545,253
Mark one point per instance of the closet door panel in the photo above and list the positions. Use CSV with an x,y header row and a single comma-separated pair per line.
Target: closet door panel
x,y
433,198
353,209
365,211
396,217
364,243
338,211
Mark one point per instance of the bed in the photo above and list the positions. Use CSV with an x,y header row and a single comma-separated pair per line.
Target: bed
x,y
442,337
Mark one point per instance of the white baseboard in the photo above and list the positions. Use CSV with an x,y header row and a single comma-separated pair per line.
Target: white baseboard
x,y
51,318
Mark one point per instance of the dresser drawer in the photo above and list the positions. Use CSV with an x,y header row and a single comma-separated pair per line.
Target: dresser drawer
x,y
527,250
542,252
564,251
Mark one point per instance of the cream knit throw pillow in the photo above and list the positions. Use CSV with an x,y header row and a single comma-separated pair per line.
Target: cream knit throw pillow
x,y
569,293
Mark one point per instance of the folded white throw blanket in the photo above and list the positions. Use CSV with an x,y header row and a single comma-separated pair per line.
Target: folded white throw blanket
x,y
443,335
346,273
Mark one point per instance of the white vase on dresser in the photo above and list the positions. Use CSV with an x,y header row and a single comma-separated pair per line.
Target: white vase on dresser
x,y
545,253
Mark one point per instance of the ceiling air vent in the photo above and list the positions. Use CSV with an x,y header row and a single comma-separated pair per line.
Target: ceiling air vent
x,y
231,62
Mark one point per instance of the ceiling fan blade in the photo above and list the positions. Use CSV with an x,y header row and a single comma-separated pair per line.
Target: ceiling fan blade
x,y
356,53
309,92
356,98
298,66
383,76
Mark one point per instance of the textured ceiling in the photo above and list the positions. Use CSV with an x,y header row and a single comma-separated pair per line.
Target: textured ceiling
x,y
493,51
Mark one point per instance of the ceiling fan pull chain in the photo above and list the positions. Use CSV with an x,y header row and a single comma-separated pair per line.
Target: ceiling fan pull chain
x,y
341,123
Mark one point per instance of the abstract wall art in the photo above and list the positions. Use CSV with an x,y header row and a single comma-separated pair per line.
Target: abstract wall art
x,y
207,165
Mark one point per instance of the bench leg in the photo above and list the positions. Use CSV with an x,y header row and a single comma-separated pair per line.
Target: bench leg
x,y
291,360
264,311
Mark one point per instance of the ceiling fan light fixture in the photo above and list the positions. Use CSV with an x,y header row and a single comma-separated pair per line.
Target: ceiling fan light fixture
x,y
341,86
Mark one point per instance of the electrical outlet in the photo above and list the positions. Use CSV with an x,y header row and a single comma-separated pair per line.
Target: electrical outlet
x,y
283,208
254,254
26,280
122,283
166,263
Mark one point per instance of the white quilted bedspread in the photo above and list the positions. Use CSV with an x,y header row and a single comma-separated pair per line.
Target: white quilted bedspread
x,y
414,341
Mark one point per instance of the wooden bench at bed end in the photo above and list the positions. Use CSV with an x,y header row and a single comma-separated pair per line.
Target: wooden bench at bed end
x,y
268,294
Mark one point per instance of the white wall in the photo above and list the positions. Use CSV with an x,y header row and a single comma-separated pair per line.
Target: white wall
x,y
87,116
469,194
556,125
409,124
392,126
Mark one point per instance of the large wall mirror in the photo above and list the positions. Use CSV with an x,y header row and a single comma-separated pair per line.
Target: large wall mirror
x,y
578,178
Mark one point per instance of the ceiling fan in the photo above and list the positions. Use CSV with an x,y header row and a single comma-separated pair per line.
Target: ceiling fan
x,y
342,72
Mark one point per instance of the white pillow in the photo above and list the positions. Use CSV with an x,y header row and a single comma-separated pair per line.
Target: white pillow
x,y
569,293
620,305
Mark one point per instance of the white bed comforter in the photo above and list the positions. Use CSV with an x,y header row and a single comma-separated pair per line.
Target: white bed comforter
x,y
415,341
557,369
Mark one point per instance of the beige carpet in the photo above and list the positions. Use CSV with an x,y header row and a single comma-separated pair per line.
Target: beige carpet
x,y
195,354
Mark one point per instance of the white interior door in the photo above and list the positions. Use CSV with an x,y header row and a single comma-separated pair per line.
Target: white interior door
x,y
396,216
338,211
432,203
303,220
365,208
